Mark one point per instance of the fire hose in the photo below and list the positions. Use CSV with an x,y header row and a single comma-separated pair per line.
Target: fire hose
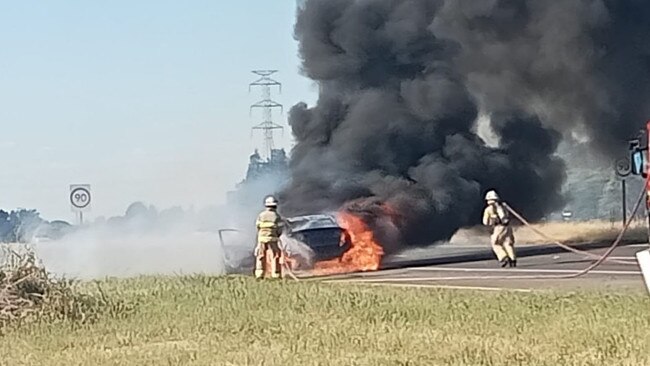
x,y
285,266
283,254
557,242
599,258
581,273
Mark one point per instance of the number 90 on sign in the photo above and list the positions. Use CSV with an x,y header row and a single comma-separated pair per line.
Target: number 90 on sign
x,y
80,198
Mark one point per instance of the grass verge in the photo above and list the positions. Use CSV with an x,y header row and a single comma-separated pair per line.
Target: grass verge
x,y
204,320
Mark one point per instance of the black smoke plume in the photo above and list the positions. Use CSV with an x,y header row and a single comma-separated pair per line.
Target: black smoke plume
x,y
582,65
403,82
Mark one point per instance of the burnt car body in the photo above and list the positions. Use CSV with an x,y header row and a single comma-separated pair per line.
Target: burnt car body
x,y
321,233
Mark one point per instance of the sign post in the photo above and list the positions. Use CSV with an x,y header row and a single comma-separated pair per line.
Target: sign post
x,y
624,201
80,199
623,168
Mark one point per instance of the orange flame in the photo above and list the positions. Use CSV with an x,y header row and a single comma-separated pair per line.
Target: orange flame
x,y
364,254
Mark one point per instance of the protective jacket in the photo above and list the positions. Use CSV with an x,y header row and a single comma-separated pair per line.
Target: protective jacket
x,y
495,215
269,226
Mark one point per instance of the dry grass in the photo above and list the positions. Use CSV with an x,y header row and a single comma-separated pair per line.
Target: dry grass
x,y
586,231
204,320
29,294
565,232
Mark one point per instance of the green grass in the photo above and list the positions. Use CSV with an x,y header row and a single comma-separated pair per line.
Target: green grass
x,y
237,321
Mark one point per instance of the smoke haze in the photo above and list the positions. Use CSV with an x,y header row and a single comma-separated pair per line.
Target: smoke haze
x,y
403,83
146,241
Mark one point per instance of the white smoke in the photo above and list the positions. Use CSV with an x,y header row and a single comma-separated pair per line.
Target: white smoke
x,y
147,242
98,253
298,250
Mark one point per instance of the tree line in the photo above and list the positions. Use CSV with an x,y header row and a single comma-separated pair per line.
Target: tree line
x,y
23,225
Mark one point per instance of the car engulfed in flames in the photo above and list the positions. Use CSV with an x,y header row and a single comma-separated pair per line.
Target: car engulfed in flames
x,y
321,234
320,244
363,254
307,240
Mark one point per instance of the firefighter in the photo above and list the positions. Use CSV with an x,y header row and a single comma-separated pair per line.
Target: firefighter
x,y
269,228
502,238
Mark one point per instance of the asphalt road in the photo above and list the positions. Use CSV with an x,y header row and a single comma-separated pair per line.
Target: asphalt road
x,y
475,268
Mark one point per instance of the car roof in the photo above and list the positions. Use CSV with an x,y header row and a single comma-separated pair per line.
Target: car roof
x,y
312,222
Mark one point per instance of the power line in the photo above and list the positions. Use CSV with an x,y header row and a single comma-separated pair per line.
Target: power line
x,y
267,126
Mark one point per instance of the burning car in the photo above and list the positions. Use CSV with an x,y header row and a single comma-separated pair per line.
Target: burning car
x,y
321,233
307,239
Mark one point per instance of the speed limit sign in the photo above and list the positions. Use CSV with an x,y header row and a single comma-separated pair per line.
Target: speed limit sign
x,y
80,197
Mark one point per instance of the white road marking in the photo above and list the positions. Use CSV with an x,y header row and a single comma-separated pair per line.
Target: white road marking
x,y
415,279
623,258
638,246
479,288
521,270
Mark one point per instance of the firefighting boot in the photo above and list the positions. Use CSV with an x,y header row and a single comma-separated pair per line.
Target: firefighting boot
x,y
504,262
512,262
259,269
276,268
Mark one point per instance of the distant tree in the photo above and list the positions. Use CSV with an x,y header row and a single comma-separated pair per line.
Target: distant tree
x,y
54,230
6,227
25,224
19,225
136,209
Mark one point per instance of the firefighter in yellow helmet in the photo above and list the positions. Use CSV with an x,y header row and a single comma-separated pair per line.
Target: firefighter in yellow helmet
x,y
269,228
502,239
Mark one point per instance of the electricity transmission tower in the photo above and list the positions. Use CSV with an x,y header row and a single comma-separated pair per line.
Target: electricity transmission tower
x,y
267,126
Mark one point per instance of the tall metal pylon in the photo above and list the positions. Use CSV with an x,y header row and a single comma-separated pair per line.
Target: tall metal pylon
x,y
265,82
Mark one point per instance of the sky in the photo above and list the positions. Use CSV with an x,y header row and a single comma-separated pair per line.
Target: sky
x,y
143,100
